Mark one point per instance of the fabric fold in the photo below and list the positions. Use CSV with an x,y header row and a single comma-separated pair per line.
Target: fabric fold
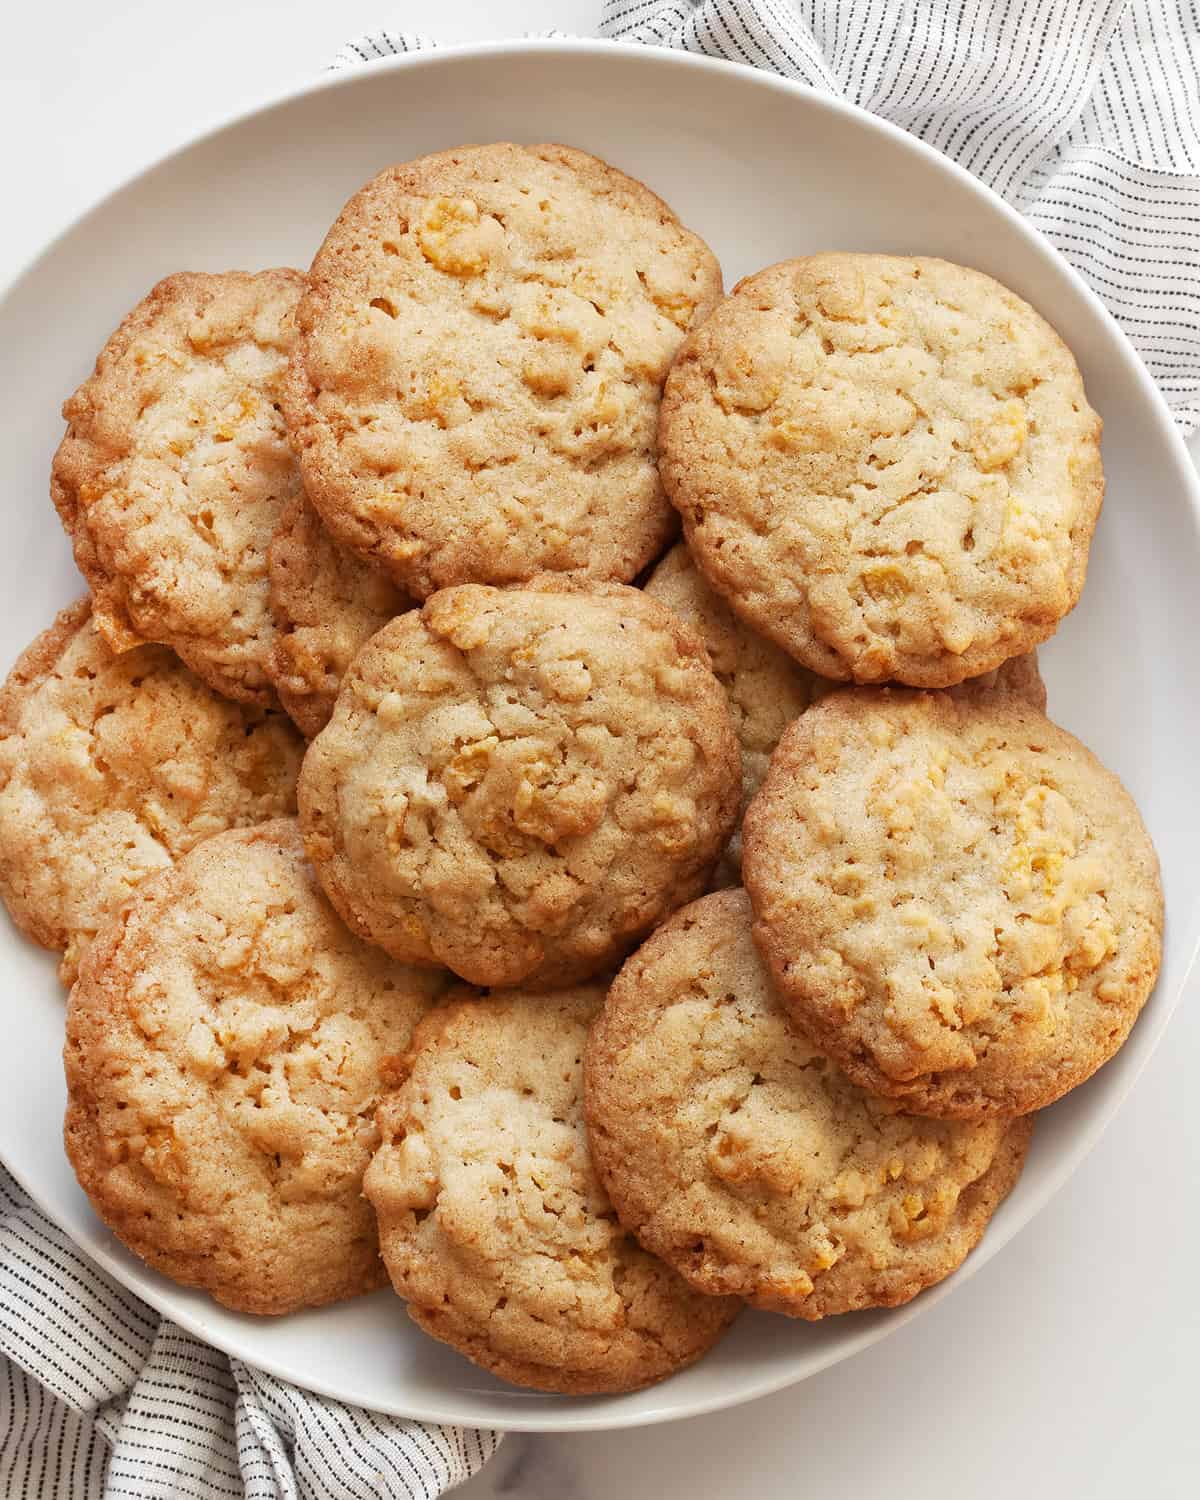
x,y
1083,114
100,1397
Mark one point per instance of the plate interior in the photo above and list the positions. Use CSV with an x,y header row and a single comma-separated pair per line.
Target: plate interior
x,y
763,170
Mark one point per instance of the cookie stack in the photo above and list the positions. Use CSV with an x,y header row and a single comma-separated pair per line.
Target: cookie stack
x,y
466,993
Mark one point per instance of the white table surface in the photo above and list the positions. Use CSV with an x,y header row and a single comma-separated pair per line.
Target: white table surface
x,y
1070,1366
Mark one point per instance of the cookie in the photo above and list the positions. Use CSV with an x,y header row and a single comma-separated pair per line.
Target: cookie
x,y
886,464
174,470
744,1158
482,351
1019,676
327,603
957,900
492,1221
111,767
520,783
766,688
224,1050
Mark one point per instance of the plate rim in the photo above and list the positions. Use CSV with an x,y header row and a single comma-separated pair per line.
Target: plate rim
x,y
114,1259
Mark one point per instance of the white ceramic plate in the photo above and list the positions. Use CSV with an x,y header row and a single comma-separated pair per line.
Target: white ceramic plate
x,y
763,169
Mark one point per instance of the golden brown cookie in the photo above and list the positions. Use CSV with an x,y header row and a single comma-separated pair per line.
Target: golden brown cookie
x,y
482,351
766,688
327,603
959,903
111,767
886,464
225,1044
492,1221
174,470
1019,676
520,783
739,1153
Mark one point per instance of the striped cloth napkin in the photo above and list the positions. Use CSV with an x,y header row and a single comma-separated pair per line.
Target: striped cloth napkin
x,y
1085,114
100,1397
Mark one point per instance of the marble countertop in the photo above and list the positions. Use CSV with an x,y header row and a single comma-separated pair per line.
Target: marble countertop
x,y
1069,1365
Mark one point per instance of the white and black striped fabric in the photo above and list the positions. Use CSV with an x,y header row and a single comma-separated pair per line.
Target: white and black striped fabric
x,y
1085,114
378,44
101,1399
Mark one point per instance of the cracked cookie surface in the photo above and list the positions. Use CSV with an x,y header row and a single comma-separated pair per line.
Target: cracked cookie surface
x,y
111,768
483,345
520,783
493,1223
225,1044
327,603
959,902
887,465
175,467
744,1157
766,689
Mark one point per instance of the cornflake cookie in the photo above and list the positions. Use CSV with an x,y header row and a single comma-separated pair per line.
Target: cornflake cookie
x,y
887,465
482,350
224,1049
960,904
111,767
175,468
1019,677
327,602
766,688
520,783
493,1223
732,1148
